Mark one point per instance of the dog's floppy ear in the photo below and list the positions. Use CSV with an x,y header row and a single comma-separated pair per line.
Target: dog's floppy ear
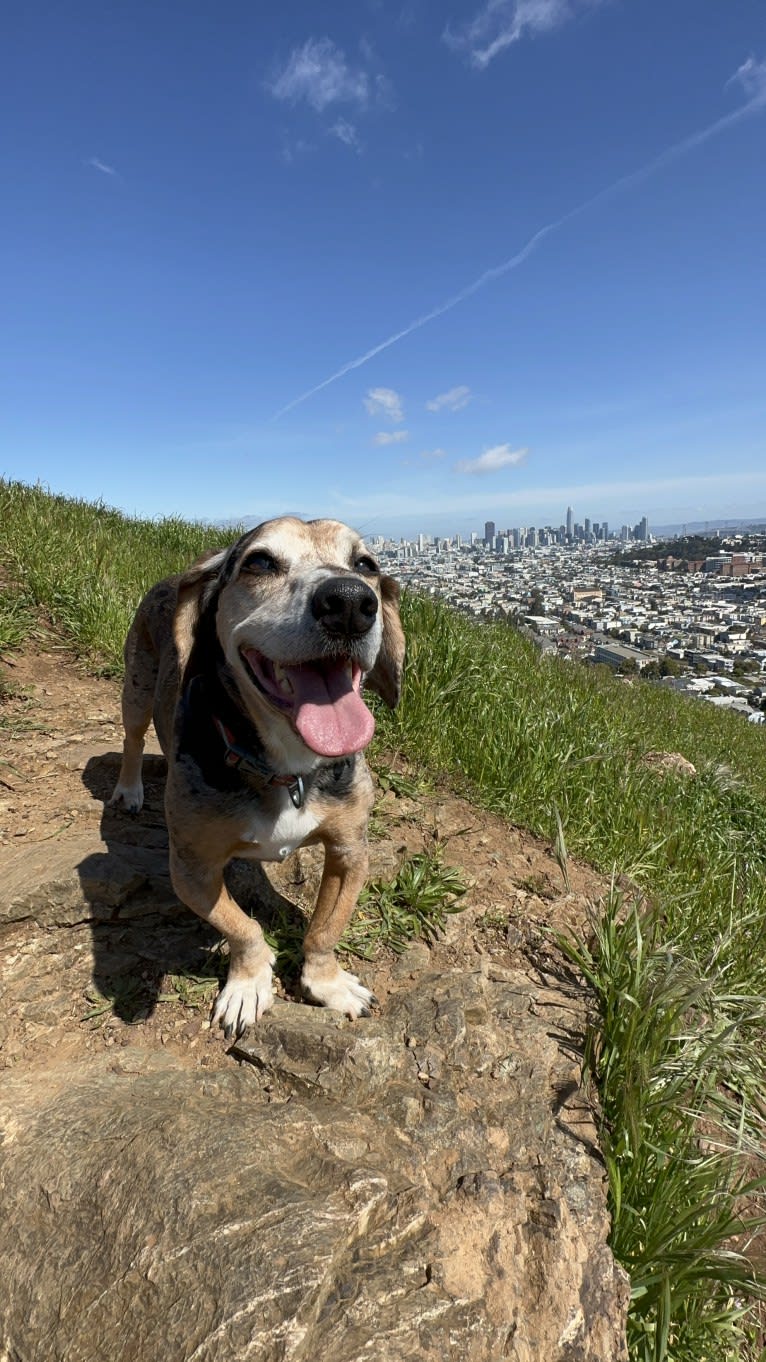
x,y
386,676
195,588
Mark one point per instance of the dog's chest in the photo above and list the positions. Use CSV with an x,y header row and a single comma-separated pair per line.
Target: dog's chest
x,y
270,839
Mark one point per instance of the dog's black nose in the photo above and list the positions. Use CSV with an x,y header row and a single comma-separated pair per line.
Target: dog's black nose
x,y
345,606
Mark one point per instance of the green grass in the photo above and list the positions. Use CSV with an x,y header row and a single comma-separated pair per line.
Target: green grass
x,y
558,748
676,1051
17,619
87,567
678,1030
413,905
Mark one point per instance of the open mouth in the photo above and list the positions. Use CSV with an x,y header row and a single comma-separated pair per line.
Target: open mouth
x,y
321,699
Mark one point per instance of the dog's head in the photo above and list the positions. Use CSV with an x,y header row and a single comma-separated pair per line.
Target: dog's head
x,y
304,618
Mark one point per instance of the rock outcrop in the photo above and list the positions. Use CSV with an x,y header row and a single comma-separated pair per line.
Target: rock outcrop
x,y
423,1184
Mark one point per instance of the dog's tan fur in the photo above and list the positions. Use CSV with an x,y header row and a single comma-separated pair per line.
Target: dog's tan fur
x,y
189,631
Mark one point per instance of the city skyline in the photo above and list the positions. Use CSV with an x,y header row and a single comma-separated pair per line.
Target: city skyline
x,y
504,538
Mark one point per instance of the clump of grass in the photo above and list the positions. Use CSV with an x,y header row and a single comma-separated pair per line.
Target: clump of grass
x,y
413,905
674,1049
401,784
195,991
16,619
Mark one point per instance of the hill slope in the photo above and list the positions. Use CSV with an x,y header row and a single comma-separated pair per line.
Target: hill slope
x,y
677,1043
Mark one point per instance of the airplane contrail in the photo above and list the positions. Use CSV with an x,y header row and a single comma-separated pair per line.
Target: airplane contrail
x,y
695,139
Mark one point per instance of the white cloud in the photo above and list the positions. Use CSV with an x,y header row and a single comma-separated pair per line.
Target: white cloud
x,y
492,460
100,165
454,400
500,23
432,453
391,437
318,73
346,133
384,402
751,75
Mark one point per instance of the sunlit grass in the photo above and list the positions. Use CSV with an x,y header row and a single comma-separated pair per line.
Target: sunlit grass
x,y
88,566
676,1050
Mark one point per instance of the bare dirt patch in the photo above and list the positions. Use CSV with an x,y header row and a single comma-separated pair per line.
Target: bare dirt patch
x,y
133,972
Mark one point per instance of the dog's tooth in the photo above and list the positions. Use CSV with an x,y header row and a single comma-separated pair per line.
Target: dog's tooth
x,y
282,680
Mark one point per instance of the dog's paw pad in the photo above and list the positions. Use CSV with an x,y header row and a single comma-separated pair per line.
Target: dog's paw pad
x,y
242,1002
341,991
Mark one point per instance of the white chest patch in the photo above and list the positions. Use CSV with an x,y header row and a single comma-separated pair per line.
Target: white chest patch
x,y
267,841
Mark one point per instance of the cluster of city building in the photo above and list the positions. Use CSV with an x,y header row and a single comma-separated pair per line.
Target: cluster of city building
x,y
699,626
529,537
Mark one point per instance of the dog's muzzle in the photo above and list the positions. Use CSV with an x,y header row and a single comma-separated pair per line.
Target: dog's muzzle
x,y
345,606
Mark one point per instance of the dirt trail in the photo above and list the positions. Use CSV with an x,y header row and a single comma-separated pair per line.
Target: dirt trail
x,y
128,975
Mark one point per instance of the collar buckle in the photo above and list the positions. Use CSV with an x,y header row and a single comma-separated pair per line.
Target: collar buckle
x,y
246,761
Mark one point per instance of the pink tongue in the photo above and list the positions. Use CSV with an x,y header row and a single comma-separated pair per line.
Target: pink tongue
x,y
330,714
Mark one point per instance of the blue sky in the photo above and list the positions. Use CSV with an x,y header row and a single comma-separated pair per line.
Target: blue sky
x,y
413,264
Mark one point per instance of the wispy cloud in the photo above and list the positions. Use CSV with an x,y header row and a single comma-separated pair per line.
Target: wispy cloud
x,y
100,165
346,133
319,74
391,437
754,105
492,460
432,453
454,400
751,75
384,402
501,23
294,148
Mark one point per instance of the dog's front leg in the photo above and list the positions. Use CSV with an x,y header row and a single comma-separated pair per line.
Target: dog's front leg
x,y
322,979
248,991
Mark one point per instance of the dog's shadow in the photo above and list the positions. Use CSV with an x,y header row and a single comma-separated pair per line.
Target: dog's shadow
x,y
147,946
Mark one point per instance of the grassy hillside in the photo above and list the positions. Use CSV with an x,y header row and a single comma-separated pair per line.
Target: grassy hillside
x,y
677,1043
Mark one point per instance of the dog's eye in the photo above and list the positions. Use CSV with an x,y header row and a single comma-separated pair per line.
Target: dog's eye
x,y
365,564
259,562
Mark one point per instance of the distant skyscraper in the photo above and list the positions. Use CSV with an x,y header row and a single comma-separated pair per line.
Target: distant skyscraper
x,y
570,522
489,533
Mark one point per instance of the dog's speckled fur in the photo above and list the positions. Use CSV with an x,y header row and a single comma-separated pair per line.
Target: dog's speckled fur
x,y
184,665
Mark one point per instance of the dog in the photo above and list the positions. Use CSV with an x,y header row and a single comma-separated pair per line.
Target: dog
x,y
251,665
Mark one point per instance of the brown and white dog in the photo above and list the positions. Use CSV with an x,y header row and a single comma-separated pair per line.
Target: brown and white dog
x,y
251,665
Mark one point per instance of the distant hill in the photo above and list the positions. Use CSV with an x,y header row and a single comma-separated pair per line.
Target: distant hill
x,y
690,527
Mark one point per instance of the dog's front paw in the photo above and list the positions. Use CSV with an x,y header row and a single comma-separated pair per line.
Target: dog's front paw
x,y
336,988
243,1001
130,796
